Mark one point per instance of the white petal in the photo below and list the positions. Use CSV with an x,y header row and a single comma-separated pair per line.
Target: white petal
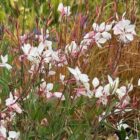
x,y
14,135
57,94
4,59
139,82
26,48
129,37
107,89
121,92
60,7
3,131
62,77
84,78
87,86
110,80
95,82
97,36
99,92
102,26
117,29
99,45
130,28
106,35
95,27
40,48
49,86
102,40
108,27
125,22
130,87
8,66
72,70
67,10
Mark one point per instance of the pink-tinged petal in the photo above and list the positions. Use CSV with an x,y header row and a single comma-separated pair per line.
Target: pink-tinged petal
x,y
16,108
86,36
117,30
67,10
59,95
51,73
60,7
49,95
97,36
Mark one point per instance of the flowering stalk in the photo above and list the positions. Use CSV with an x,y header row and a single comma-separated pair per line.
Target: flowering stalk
x,y
117,58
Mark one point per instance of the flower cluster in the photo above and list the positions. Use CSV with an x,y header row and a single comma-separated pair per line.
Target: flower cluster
x,y
100,34
102,92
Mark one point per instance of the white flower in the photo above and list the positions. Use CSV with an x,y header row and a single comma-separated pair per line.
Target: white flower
x,y
49,86
65,11
43,53
121,125
99,92
71,48
4,63
41,36
11,102
121,92
13,135
102,91
78,75
113,83
29,51
62,77
101,33
2,131
95,82
125,30
59,95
